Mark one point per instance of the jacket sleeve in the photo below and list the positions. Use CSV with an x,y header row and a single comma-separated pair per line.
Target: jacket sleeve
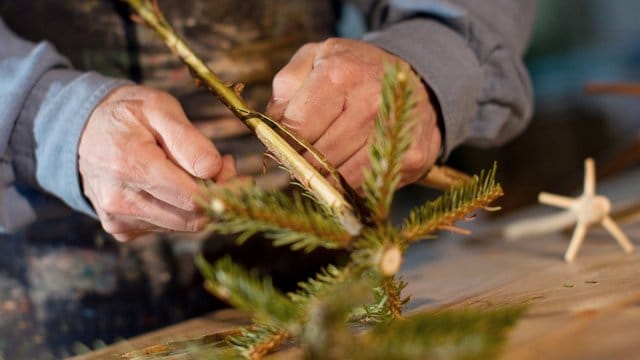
x,y
469,53
44,105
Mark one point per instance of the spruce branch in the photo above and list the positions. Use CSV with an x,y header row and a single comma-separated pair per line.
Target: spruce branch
x,y
367,290
247,291
452,206
287,220
325,333
273,135
388,303
211,347
318,285
258,340
392,290
448,334
391,140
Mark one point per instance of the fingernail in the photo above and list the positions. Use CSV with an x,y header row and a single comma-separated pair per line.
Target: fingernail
x,y
207,165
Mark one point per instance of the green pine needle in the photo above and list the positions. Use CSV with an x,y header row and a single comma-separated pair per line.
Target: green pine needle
x,y
289,221
326,335
318,285
449,334
247,291
387,305
391,140
258,340
452,206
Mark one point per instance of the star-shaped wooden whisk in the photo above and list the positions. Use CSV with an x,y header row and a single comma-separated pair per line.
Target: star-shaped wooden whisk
x,y
588,209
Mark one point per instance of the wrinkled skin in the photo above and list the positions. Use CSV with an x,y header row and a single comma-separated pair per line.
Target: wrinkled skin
x,y
329,93
139,158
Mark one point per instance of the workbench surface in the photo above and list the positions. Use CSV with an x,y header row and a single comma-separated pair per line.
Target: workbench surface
x,y
586,310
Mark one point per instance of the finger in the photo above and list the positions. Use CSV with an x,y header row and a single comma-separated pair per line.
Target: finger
x,y
142,206
133,235
124,229
128,210
228,171
126,237
351,130
317,104
182,142
156,174
290,78
353,169
165,216
416,163
425,146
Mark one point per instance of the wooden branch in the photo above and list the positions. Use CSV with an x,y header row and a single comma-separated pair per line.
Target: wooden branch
x,y
264,128
443,178
615,88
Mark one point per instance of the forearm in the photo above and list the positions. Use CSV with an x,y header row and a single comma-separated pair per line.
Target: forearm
x,y
45,105
470,55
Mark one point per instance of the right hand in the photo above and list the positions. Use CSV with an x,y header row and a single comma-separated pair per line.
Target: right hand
x,y
329,93
139,157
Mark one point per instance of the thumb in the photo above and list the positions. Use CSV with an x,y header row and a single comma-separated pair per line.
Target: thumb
x,y
183,143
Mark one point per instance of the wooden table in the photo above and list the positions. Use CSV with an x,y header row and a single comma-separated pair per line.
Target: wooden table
x,y
586,310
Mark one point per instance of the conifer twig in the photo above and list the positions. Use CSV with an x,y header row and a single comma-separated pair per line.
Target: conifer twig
x,y
319,284
452,206
294,221
266,130
444,334
247,291
391,140
392,287
257,341
318,311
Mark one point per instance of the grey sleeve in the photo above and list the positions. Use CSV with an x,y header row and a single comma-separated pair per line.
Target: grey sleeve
x,y
44,106
469,52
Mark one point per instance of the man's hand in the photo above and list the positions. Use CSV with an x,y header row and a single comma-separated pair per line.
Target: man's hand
x,y
329,93
139,157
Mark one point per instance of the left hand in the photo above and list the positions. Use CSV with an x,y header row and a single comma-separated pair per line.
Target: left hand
x,y
329,93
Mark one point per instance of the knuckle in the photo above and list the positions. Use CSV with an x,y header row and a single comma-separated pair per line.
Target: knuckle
x,y
283,82
125,111
110,204
188,202
125,237
331,44
154,97
137,171
115,204
293,119
415,161
338,62
309,47
341,71
113,227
